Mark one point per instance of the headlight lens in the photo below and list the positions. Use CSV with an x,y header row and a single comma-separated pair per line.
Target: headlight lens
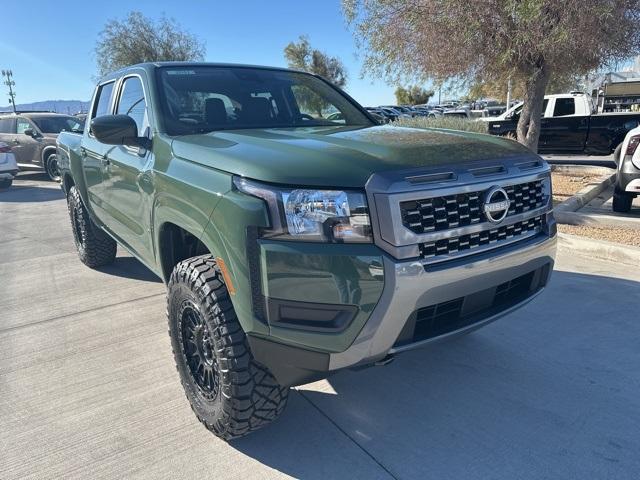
x,y
335,216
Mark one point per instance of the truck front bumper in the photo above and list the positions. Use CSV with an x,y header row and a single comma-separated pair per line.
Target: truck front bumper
x,y
466,294
421,304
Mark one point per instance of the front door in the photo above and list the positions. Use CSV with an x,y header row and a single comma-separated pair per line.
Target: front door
x,y
27,147
564,131
127,177
94,153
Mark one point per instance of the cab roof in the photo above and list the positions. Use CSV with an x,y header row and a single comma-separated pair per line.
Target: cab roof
x,y
149,67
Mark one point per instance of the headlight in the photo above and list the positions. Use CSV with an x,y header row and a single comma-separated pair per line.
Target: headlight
x,y
312,215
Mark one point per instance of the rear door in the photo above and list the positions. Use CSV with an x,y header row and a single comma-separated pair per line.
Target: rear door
x,y
564,130
12,133
8,130
128,175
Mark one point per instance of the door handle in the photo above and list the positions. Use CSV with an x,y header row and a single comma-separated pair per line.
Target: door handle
x,y
83,151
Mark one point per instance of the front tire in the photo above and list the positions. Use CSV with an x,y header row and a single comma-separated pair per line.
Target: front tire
x,y
230,393
622,201
51,167
95,248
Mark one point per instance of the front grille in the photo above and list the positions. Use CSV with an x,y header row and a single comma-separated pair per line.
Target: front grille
x,y
463,209
461,312
449,246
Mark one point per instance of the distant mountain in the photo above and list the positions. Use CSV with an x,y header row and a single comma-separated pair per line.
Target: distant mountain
x,y
60,106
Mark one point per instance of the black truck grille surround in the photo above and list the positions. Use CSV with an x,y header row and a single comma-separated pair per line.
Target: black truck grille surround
x,y
463,209
449,246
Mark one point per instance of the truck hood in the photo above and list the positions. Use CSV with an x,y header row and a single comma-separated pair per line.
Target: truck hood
x,y
338,156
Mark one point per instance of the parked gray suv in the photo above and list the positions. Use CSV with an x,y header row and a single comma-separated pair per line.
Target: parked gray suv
x,y
32,137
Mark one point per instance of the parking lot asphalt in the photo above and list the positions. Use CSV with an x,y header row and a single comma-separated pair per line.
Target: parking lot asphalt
x,y
88,388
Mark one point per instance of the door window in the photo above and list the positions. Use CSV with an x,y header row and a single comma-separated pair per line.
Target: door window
x,y
7,125
103,100
564,107
22,125
132,102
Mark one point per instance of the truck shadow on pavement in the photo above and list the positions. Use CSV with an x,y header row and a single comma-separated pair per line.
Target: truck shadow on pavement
x,y
130,267
553,389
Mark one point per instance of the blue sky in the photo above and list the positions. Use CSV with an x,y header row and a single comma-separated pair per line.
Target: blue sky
x,y
49,45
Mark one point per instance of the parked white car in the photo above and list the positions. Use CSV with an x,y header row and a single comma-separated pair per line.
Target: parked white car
x,y
8,166
627,157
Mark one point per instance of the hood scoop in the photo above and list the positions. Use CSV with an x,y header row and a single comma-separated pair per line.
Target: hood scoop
x,y
432,178
488,171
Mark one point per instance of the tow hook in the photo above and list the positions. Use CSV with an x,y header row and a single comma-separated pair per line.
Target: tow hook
x,y
385,361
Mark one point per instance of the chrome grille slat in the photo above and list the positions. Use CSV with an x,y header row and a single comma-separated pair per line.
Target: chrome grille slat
x,y
451,211
467,243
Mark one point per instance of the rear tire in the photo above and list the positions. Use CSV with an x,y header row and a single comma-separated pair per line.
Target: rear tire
x,y
622,201
95,247
5,183
230,393
51,167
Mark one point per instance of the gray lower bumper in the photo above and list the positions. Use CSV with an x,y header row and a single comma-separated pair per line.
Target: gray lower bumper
x,y
409,287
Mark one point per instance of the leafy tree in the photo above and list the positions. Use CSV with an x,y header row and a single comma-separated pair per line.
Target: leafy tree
x,y
141,39
530,41
412,95
301,56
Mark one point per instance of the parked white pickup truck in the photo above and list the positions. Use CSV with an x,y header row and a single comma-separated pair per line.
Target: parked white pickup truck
x,y
569,125
560,105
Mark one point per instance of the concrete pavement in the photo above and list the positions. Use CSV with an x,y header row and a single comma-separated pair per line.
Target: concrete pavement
x,y
88,388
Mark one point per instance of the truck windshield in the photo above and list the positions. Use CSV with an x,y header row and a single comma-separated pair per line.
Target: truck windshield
x,y
57,124
200,99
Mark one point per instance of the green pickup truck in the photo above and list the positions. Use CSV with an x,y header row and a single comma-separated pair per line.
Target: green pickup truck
x,y
295,235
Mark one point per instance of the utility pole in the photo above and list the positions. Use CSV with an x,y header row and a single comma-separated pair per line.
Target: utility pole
x,y
509,93
8,74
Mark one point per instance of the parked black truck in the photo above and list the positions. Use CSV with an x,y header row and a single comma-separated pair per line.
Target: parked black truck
x,y
569,125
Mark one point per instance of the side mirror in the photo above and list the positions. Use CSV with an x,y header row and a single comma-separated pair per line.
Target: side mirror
x,y
30,132
118,130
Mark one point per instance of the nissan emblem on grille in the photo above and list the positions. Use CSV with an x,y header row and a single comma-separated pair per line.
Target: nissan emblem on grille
x,y
496,204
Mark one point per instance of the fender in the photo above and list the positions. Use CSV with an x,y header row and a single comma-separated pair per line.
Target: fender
x,y
187,201
46,151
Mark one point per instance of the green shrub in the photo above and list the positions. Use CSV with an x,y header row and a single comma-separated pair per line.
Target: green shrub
x,y
453,123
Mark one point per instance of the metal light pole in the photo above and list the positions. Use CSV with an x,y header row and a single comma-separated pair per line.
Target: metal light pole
x,y
8,74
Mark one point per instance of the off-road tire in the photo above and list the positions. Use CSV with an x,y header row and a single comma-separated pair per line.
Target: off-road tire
x,y
5,183
95,247
247,396
622,201
51,167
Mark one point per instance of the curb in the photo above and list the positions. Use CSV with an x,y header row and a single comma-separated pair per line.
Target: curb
x,y
596,220
585,195
613,252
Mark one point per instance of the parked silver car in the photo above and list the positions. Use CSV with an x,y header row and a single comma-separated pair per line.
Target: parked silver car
x,y
32,137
